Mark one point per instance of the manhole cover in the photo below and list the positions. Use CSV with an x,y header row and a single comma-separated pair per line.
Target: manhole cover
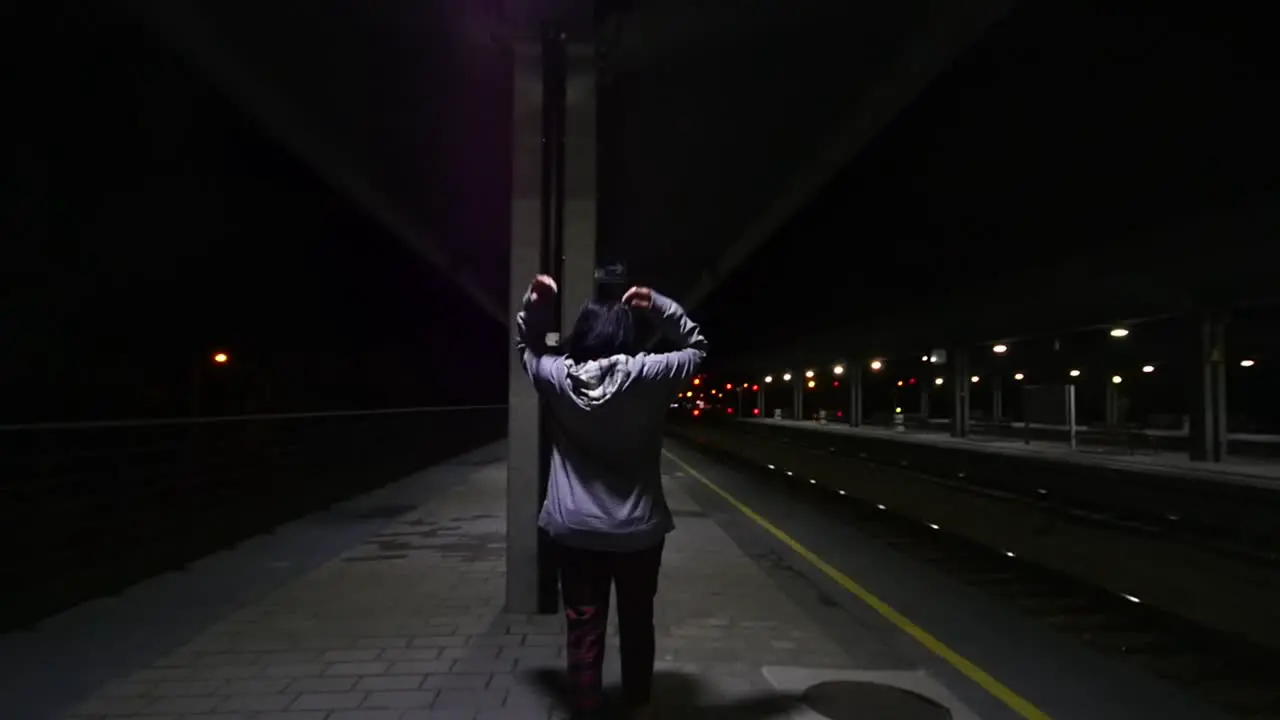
x,y
850,700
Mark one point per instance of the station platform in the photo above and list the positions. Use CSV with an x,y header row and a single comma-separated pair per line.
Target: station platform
x,y
1237,470
390,607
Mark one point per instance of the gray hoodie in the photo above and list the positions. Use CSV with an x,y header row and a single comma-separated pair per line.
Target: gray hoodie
x,y
606,424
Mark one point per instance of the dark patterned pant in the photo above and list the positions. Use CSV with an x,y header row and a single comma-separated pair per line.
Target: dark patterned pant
x,y
585,579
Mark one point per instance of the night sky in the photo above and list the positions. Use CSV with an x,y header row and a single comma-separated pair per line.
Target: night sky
x,y
156,224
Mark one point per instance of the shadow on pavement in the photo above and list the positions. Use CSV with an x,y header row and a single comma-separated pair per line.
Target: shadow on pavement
x,y
676,696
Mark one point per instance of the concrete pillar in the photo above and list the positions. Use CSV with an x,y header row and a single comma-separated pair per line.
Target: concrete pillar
x,y
854,374
960,393
524,436
1208,406
578,260
554,231
997,399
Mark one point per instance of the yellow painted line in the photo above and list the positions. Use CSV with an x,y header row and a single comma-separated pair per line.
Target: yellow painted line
x,y
1015,702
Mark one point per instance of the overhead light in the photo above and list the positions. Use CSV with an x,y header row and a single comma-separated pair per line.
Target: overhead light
x,y
1116,379
1119,332
808,373
838,370
1148,368
937,381
876,364
1246,363
786,377
924,358
768,378
975,378
1019,376
1130,598
1000,349
1074,373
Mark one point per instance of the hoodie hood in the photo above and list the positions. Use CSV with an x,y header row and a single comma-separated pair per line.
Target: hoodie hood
x,y
592,383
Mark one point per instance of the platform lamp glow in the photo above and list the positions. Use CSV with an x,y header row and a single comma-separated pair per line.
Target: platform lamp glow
x,y
221,358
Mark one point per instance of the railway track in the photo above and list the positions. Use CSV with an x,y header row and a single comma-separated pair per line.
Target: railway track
x,y
1228,672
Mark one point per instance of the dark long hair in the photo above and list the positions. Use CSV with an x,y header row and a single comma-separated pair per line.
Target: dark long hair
x,y
603,329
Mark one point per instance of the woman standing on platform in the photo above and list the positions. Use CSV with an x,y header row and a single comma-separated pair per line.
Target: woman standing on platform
x,y
605,507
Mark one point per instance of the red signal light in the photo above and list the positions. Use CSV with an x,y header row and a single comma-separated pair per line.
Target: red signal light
x,y
835,383
755,411
755,388
912,381
728,386
729,410
839,413
696,412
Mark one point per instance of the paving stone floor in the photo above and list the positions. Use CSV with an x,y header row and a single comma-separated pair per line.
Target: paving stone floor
x,y
409,625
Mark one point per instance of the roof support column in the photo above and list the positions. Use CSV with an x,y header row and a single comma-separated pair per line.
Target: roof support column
x,y
960,393
553,219
1208,405
855,394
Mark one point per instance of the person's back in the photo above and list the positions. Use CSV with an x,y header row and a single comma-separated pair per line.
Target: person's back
x,y
605,506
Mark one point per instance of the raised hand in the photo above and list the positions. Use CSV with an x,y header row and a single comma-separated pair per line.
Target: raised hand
x,y
638,297
542,286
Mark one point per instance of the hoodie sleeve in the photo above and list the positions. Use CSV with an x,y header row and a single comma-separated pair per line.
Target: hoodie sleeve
x,y
531,341
676,327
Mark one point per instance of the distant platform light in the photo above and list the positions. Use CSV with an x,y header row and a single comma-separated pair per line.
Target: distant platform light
x,y
697,381
1130,598
786,377
900,383
1148,368
1074,373
1116,379
898,410
975,378
808,373
1019,376
1119,332
938,381
838,370
1000,349
812,383
924,358
876,364
1247,363
768,378
221,358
